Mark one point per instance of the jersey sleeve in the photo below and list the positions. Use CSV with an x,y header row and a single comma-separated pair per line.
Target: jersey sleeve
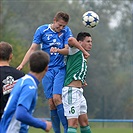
x,y
37,36
73,50
28,93
23,115
68,34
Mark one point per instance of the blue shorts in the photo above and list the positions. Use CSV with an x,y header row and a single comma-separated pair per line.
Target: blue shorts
x,y
53,81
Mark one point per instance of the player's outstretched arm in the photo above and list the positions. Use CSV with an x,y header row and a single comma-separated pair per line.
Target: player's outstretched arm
x,y
24,116
27,55
73,42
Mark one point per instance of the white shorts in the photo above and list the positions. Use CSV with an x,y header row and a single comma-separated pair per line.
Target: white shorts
x,y
74,102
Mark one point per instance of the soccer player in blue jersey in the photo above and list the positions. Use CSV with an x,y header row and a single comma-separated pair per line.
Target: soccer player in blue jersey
x,y
19,108
49,36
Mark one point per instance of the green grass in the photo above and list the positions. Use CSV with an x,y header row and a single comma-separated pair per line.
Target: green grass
x,y
94,130
99,127
112,130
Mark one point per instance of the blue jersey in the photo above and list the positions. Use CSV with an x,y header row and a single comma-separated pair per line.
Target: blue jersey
x,y
24,93
48,38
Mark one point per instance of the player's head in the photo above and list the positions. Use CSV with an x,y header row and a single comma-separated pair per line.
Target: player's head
x,y
84,38
61,16
60,21
5,51
38,61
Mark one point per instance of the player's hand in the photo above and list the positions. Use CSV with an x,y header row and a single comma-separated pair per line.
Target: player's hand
x,y
49,126
86,54
85,84
20,67
53,50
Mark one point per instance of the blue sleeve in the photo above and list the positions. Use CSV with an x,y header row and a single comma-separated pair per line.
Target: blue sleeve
x,y
67,35
27,96
37,36
25,117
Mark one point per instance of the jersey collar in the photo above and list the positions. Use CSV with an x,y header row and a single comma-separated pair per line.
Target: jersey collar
x,y
36,80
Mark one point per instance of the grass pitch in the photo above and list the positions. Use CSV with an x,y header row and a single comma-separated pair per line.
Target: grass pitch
x,y
94,130
99,127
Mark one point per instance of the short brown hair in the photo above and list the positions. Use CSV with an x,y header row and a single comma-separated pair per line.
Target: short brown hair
x,y
5,50
62,15
38,61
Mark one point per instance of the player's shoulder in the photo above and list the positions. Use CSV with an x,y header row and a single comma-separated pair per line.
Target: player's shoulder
x,y
14,70
67,28
43,27
28,80
73,50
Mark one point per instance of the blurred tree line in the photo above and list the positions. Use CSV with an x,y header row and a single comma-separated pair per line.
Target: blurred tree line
x,y
110,67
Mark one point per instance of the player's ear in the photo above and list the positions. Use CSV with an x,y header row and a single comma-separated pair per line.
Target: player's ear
x,y
11,55
80,42
54,20
46,69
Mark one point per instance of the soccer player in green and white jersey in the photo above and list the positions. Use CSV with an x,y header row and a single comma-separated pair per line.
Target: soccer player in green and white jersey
x,y
75,106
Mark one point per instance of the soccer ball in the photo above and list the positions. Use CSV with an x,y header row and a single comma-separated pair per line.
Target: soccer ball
x,y
90,19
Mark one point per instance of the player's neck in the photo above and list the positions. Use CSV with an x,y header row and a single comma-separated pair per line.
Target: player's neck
x,y
52,27
4,63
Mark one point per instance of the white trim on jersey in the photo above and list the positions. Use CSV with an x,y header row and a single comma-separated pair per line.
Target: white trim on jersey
x,y
73,50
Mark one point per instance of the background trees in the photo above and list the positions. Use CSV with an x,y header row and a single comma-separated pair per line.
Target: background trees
x,y
110,67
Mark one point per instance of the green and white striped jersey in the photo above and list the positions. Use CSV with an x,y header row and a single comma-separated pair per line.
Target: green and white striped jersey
x,y
76,68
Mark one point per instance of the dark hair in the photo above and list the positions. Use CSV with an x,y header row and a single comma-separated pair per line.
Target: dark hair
x,y
38,61
82,35
62,15
5,50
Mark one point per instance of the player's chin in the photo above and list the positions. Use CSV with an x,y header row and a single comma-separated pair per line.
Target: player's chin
x,y
58,30
87,50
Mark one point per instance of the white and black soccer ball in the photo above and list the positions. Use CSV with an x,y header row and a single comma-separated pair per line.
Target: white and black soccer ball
x,y
90,19
9,80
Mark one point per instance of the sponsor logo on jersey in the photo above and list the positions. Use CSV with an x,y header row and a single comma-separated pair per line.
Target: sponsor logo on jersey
x,y
7,88
48,36
32,87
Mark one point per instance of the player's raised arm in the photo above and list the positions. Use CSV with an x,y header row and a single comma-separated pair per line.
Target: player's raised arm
x,y
33,47
73,42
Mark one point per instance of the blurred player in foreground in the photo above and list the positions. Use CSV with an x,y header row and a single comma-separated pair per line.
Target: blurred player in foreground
x,y
75,106
19,108
8,74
